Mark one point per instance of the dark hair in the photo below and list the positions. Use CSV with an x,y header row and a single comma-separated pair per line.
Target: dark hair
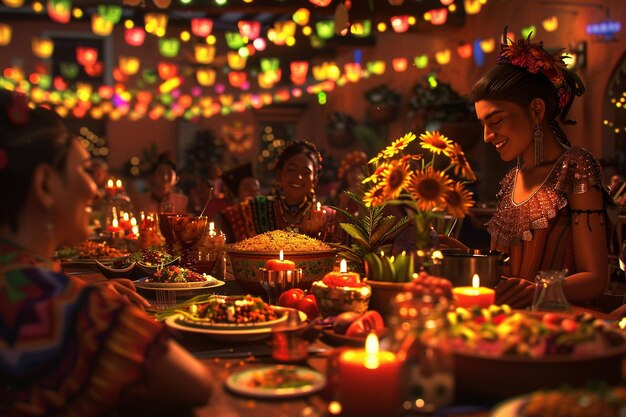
x,y
28,138
298,147
163,159
515,84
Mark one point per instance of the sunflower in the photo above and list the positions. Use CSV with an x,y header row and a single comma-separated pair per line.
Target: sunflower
x,y
436,143
396,178
375,196
461,165
428,188
458,200
377,176
399,145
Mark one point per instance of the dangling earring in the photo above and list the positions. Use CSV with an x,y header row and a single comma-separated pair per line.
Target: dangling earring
x,y
538,139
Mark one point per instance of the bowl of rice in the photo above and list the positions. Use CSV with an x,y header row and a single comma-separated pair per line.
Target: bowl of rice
x,y
313,256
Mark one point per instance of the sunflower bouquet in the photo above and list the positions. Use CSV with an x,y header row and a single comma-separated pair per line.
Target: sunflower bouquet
x,y
428,186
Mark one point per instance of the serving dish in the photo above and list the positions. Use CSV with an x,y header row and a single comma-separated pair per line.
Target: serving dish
x,y
135,269
144,284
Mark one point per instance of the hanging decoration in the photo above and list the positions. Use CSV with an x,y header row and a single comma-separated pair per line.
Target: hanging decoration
x,y
488,45
551,24
237,136
321,3
270,64
129,65
400,64
13,3
169,47
443,57
201,26
301,16
529,31
235,61
6,32
110,12
299,71
400,24
167,70
237,78
59,10
205,76
437,17
361,29
472,6
421,61
204,54
249,29
234,40
353,71
325,29
94,70
86,56
464,50
376,67
155,23
42,47
69,70
134,36
101,26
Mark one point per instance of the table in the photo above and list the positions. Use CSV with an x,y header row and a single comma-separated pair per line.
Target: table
x,y
226,404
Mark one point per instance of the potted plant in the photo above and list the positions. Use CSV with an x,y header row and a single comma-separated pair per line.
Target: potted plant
x,y
383,104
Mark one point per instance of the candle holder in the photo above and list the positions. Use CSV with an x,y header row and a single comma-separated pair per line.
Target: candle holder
x,y
276,282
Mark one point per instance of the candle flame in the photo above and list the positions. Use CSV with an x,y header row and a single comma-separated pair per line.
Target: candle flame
x,y
343,266
372,347
133,221
319,206
115,223
475,281
125,216
211,226
118,183
135,229
110,183
281,255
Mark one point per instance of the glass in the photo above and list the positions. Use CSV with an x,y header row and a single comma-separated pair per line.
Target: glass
x,y
188,232
420,337
288,341
549,294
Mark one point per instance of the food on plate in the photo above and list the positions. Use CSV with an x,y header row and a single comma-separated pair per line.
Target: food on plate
x,y
582,402
498,331
176,275
231,310
145,257
89,250
358,325
425,284
277,240
300,300
280,378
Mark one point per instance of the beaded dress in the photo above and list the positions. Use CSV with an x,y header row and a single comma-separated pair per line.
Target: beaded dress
x,y
537,233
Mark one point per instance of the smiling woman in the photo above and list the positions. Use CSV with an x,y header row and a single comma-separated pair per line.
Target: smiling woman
x,y
292,205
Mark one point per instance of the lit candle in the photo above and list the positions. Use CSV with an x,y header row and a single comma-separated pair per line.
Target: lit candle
x,y
118,184
342,278
115,226
319,206
475,295
280,264
369,381
212,229
110,189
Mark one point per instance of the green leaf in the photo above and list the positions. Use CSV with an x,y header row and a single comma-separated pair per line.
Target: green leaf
x,y
385,225
356,234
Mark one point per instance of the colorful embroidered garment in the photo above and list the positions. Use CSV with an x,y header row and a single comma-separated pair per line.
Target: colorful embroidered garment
x,y
67,348
537,233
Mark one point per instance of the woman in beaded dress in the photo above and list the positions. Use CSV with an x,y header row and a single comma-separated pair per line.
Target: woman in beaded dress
x,y
68,348
551,213
292,204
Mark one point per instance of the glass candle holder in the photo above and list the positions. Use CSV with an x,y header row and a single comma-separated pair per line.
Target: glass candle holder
x,y
276,282
549,294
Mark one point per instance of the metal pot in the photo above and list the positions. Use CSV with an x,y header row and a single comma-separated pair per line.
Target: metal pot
x,y
459,266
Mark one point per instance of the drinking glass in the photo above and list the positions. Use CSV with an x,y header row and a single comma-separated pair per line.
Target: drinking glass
x,y
276,282
549,294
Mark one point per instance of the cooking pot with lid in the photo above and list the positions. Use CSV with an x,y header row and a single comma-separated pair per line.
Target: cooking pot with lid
x,y
460,265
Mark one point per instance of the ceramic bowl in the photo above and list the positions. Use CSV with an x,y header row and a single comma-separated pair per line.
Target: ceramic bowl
x,y
336,300
246,264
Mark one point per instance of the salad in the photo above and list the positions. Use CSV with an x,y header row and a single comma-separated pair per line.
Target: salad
x,y
88,250
498,331
176,275
281,377
231,310
144,257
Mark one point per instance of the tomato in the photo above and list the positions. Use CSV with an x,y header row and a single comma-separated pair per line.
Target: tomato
x,y
368,322
300,300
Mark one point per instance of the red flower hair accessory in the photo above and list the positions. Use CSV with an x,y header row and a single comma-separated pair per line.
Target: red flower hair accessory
x,y
18,111
535,59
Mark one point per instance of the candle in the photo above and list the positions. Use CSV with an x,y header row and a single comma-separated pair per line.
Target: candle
x,y
118,184
110,189
342,278
475,295
212,229
369,381
280,264
319,206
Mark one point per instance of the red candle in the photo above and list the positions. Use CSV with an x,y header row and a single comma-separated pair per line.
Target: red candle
x,y
280,264
342,278
369,381
475,295
110,189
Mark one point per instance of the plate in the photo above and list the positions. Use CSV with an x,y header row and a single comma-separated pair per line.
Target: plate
x,y
509,408
147,285
241,382
336,339
227,326
234,334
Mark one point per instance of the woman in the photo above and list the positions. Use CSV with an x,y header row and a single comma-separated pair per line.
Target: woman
x,y
551,213
162,196
292,205
68,348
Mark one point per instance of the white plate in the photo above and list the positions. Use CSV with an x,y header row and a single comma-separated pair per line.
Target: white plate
x,y
232,334
182,286
239,383
509,408
206,324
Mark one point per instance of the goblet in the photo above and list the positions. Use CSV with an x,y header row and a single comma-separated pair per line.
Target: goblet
x,y
276,282
187,232
166,229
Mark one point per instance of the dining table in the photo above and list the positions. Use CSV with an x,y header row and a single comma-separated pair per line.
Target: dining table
x,y
224,359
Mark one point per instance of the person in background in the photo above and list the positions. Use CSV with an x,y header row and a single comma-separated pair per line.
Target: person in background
x,y
351,173
162,197
551,213
66,347
241,182
292,205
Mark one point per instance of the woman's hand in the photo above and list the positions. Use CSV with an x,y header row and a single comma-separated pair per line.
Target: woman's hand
x,y
516,292
315,222
126,289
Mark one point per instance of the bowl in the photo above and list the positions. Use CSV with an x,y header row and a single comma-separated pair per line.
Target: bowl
x,y
245,265
497,378
333,301
135,269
